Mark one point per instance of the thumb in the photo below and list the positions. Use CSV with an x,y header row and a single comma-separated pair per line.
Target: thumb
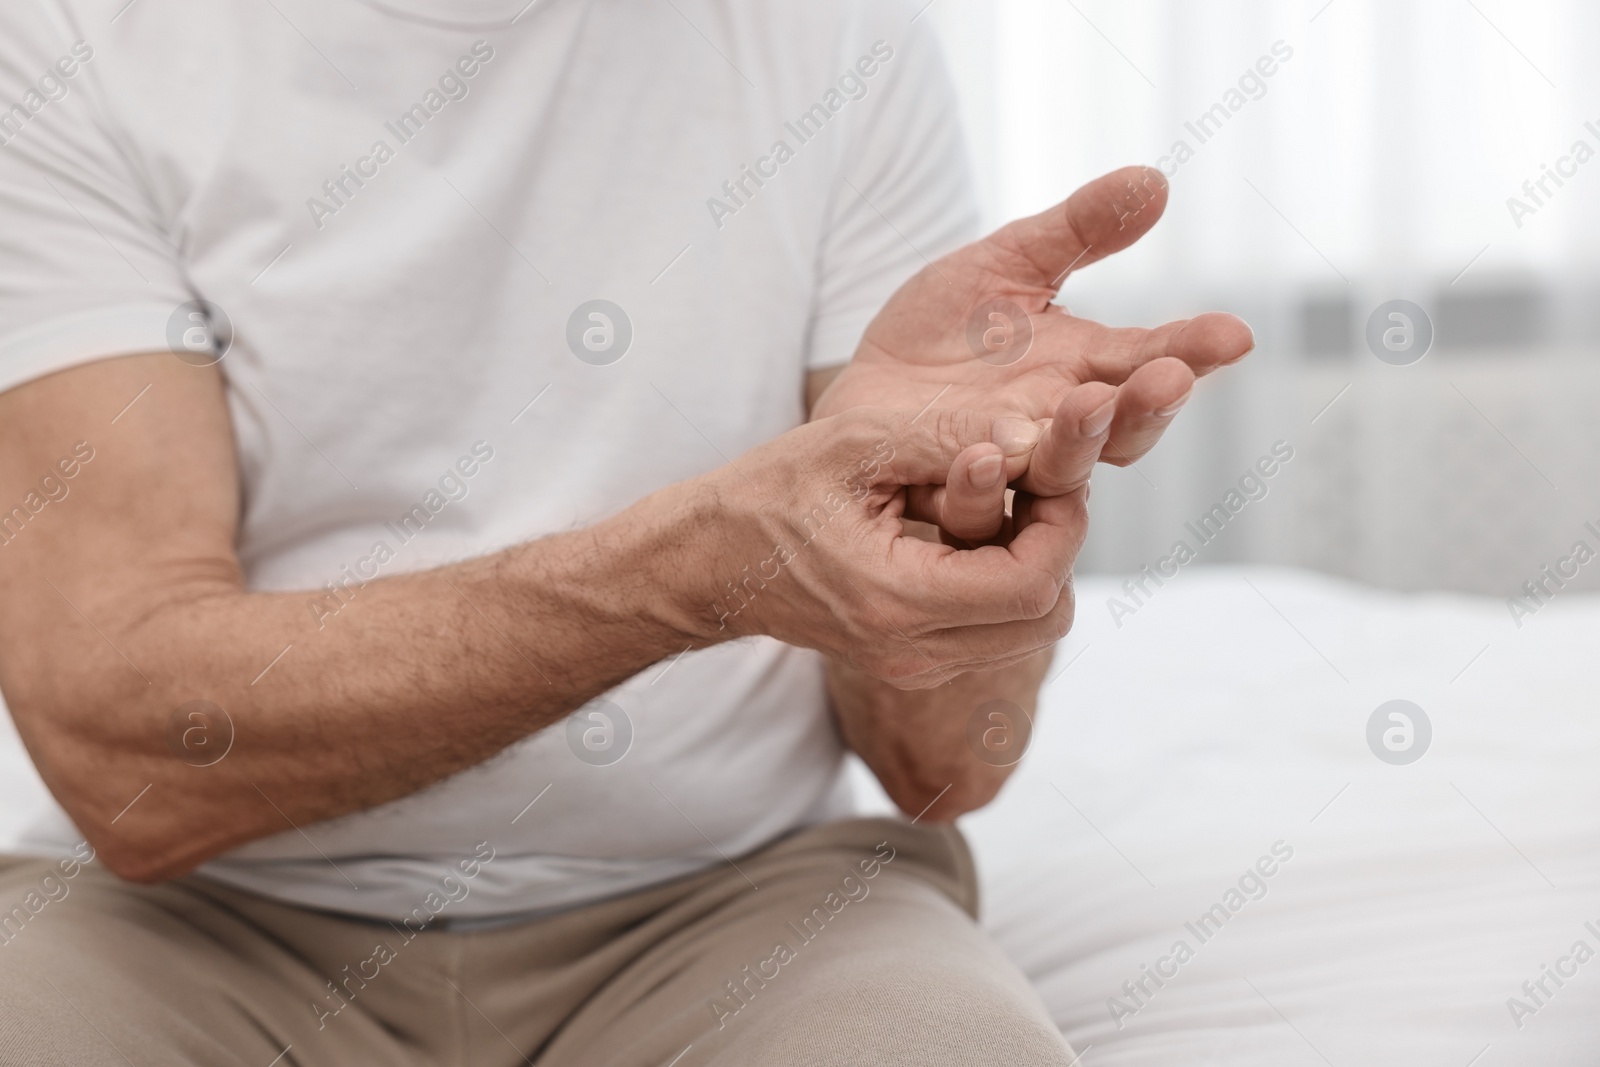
x,y
1103,217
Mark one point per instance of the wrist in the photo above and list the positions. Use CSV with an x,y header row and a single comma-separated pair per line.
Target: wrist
x,y
921,745
625,585
666,546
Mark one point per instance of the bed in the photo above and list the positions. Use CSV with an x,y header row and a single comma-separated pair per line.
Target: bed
x,y
1220,731
1229,713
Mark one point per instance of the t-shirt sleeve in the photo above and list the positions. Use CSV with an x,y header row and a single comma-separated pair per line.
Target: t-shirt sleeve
x,y
903,191
87,268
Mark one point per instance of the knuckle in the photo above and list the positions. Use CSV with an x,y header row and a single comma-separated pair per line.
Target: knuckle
x,y
873,661
1038,595
952,430
1064,613
898,669
1061,624
855,431
1077,522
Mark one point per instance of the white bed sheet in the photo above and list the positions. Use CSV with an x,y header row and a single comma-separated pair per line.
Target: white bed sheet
x,y
1229,713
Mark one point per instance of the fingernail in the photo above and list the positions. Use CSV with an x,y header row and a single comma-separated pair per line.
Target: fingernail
x,y
987,472
1172,408
1094,424
1016,436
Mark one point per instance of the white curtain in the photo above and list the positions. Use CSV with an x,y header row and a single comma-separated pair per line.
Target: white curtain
x,y
1375,162
1391,139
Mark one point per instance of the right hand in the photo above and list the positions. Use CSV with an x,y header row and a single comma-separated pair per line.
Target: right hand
x,y
813,550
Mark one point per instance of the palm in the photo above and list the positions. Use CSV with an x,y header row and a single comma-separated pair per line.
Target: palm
x,y
909,359
923,348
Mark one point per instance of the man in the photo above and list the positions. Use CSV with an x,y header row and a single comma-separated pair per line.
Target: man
x,y
422,595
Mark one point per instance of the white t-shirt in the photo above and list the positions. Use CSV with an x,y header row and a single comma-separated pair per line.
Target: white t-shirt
x,y
404,210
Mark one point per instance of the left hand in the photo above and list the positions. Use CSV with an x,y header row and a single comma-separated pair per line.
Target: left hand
x,y
1104,394
918,345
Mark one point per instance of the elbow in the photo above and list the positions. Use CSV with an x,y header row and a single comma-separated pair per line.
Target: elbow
x,y
147,851
142,866
116,791
146,847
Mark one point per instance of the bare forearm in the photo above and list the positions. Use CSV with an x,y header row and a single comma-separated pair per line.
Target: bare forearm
x,y
943,751
132,609
417,677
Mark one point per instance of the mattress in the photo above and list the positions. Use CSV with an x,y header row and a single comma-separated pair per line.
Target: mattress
x,y
1204,772
1226,719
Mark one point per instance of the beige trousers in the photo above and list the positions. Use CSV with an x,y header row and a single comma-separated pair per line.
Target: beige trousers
x,y
850,943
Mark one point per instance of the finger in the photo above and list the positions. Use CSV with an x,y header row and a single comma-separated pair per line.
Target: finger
x,y
976,647
888,448
992,583
1049,531
948,653
1209,341
941,586
1103,217
1146,405
978,640
1203,343
1073,440
971,504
